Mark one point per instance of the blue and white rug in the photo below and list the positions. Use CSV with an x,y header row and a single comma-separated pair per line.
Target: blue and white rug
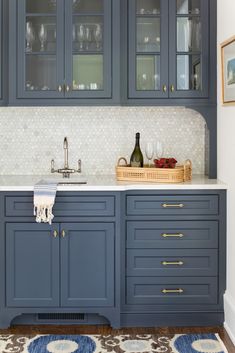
x,y
193,343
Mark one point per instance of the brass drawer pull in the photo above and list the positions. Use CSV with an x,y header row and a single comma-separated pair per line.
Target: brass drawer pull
x,y
177,235
164,88
176,263
60,88
179,205
55,234
172,88
169,291
63,233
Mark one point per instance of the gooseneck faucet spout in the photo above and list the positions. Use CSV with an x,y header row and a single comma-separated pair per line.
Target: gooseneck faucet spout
x,y
66,153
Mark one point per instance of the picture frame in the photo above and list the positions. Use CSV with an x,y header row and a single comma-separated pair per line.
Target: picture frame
x,y
228,71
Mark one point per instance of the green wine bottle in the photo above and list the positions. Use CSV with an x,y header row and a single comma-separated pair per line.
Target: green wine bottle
x,y
137,159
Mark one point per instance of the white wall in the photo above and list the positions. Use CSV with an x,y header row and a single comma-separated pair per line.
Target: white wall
x,y
226,160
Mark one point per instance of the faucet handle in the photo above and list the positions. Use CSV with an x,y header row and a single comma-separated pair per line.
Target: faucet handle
x,y
79,166
52,166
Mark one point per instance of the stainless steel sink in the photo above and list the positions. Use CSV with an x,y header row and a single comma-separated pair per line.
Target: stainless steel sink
x,y
68,182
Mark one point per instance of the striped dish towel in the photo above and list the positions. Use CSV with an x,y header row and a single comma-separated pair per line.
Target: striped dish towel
x,y
44,199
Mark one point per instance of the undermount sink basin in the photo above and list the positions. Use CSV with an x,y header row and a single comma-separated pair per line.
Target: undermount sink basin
x,y
70,182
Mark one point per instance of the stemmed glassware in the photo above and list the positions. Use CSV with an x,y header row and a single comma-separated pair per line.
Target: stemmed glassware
x,y
159,149
30,36
42,35
88,37
81,34
98,36
149,151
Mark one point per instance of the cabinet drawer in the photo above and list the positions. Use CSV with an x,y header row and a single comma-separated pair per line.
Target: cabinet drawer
x,y
172,262
172,234
20,206
148,205
171,290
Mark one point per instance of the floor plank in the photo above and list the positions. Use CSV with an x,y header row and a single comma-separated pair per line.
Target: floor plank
x,y
104,330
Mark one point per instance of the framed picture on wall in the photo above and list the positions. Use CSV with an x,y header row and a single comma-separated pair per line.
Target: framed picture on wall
x,y
228,71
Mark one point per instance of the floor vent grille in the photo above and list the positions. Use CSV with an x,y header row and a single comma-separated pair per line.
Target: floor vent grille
x,y
61,317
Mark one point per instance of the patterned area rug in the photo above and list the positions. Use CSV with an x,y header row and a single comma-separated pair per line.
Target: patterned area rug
x,y
193,343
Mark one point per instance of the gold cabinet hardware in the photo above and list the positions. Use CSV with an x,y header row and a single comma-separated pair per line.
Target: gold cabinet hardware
x,y
67,88
172,88
179,205
176,235
63,233
55,234
164,88
175,263
60,88
169,291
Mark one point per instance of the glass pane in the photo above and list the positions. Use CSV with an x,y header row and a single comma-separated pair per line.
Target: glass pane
x,y
148,72
41,6
87,33
144,7
40,34
91,6
188,7
88,72
40,72
188,34
148,34
189,72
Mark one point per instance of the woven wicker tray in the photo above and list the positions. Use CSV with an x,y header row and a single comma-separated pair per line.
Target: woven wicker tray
x,y
179,174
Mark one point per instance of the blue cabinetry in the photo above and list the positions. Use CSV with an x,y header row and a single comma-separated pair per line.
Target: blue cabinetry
x,y
174,258
124,256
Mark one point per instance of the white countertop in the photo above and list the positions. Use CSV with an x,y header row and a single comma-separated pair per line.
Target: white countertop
x,y
106,183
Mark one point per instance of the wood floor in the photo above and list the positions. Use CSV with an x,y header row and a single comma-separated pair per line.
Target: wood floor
x,y
104,330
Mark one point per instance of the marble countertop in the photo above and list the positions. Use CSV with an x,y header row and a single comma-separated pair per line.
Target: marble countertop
x,y
105,183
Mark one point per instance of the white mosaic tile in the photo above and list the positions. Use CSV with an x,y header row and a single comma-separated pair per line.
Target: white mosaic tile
x,y
31,137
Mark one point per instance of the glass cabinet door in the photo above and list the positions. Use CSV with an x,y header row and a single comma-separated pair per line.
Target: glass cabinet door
x,y
148,48
40,49
188,48
88,48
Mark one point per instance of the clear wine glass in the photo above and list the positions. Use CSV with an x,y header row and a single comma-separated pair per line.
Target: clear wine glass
x,y
81,36
42,35
30,37
159,149
98,36
149,151
88,37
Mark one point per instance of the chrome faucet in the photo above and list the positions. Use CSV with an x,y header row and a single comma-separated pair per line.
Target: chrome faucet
x,y
66,171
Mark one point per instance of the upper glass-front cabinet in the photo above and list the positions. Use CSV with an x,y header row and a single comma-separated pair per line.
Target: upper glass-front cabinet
x,y
64,48
188,48
148,36
168,58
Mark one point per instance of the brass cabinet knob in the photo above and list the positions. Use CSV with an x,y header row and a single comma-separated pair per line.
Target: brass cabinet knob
x,y
164,88
60,88
55,234
63,233
67,88
172,88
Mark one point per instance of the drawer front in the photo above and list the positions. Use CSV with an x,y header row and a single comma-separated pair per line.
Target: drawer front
x,y
148,205
172,234
172,262
22,206
171,290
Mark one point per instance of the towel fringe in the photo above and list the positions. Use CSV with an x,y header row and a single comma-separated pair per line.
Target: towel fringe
x,y
43,213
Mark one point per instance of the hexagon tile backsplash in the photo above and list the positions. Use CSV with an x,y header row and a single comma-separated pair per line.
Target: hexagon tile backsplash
x,y
31,137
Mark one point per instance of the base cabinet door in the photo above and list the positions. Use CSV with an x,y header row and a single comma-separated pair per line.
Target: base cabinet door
x,y
87,265
32,265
